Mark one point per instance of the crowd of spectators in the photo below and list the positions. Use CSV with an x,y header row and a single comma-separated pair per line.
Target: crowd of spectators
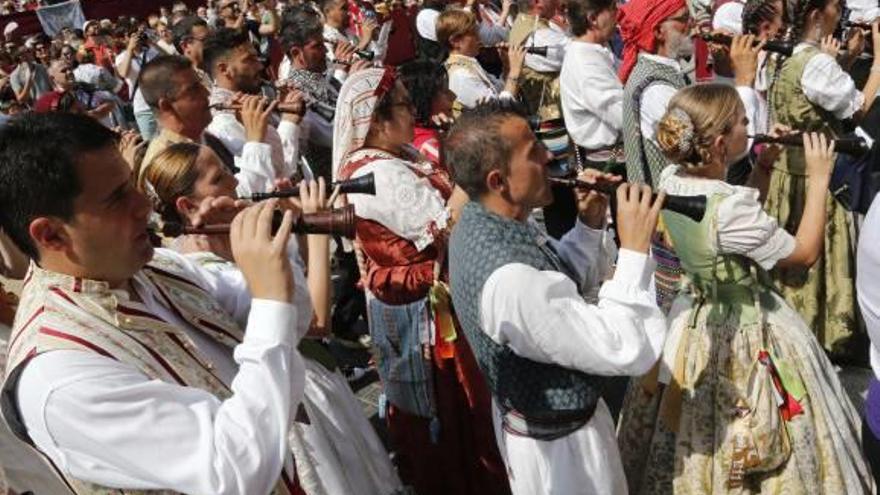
x,y
13,6
99,61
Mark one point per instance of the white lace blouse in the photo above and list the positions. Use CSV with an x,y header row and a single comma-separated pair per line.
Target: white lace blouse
x,y
406,203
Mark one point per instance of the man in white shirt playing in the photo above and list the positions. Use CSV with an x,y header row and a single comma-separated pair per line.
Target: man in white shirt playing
x,y
591,92
302,37
121,368
536,27
336,24
538,86
235,67
542,349
172,87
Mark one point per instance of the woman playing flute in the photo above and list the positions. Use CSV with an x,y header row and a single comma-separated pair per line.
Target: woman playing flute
x,y
458,31
812,92
744,400
335,448
438,409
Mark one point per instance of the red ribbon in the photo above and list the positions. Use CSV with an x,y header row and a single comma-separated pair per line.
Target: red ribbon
x,y
790,406
387,82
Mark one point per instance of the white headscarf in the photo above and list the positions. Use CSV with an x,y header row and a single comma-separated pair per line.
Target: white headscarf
x,y
728,17
358,98
405,202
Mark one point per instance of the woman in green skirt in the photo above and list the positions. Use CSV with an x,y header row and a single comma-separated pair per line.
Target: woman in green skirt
x,y
813,92
744,399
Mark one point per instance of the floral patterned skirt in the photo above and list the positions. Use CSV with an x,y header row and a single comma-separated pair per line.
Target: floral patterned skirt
x,y
718,427
825,293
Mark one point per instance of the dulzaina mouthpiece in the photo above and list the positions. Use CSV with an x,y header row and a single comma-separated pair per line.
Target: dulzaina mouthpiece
x,y
693,207
362,185
534,50
782,47
537,50
281,107
338,222
855,146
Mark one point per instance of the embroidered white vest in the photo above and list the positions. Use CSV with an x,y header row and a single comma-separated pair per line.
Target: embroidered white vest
x,y
60,312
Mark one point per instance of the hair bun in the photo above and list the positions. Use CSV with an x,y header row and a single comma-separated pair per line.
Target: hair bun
x,y
675,135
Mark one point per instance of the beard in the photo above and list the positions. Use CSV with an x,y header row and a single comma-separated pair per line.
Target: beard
x,y
249,84
680,46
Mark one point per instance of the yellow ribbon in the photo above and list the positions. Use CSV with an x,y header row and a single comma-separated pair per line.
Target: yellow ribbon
x,y
441,307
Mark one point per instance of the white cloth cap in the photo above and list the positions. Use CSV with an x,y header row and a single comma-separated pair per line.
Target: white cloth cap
x,y
426,24
728,18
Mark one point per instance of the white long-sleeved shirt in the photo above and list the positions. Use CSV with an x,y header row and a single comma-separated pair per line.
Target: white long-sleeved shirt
x,y
863,10
655,98
827,85
592,96
256,172
557,41
867,274
541,316
106,422
284,141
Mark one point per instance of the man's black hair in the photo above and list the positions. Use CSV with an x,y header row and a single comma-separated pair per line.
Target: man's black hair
x,y
579,12
299,25
39,180
220,44
424,79
182,30
474,146
757,11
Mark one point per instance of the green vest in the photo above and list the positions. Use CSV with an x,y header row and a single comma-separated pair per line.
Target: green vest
x,y
726,281
789,106
644,160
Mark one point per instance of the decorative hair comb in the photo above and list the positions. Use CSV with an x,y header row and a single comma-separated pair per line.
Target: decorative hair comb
x,y
686,139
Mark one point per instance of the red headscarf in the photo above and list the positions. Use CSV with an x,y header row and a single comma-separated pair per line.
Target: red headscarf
x,y
636,21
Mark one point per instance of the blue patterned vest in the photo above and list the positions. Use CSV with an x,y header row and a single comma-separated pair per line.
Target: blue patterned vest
x,y
538,400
